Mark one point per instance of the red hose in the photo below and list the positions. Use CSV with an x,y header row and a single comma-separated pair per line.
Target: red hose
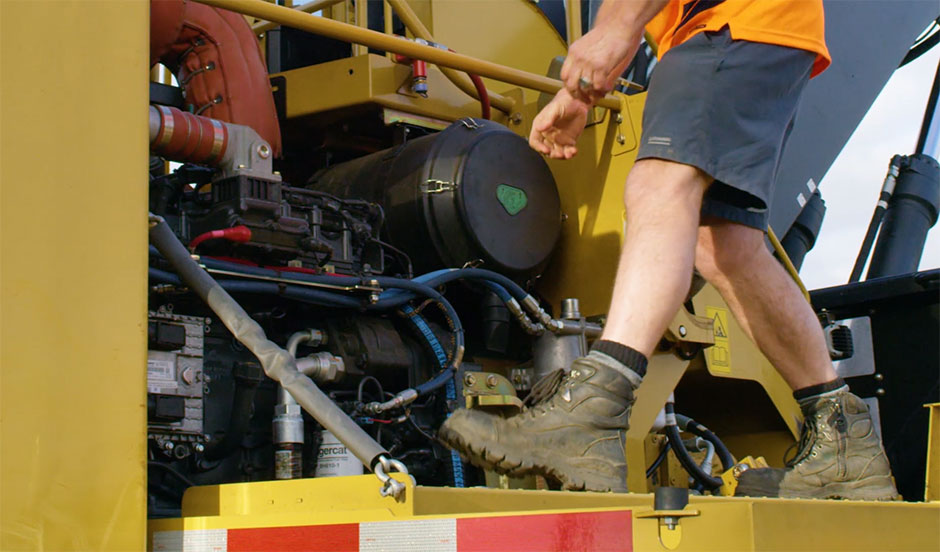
x,y
481,91
484,95
240,234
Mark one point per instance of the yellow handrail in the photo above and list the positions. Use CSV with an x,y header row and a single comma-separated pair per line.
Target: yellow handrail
x,y
380,41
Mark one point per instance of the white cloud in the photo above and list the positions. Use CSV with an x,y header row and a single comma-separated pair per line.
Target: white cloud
x,y
852,185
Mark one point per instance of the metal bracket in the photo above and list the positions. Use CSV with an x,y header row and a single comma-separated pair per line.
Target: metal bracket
x,y
470,123
433,186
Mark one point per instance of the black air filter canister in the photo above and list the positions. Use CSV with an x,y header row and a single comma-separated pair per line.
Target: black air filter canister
x,y
474,191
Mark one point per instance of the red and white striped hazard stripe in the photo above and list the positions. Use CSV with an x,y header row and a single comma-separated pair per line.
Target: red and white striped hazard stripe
x,y
582,531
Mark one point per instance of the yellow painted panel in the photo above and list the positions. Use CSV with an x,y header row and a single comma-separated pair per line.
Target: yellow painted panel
x,y
720,352
73,204
591,189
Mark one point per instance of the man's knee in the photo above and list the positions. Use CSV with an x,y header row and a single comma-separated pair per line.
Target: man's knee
x,y
725,249
653,182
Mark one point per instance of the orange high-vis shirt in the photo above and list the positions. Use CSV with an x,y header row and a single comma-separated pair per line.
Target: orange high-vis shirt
x,y
793,23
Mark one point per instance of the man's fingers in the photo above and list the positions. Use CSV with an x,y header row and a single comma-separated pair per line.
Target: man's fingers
x,y
537,142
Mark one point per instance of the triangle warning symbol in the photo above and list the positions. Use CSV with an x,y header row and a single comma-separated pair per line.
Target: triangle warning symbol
x,y
719,328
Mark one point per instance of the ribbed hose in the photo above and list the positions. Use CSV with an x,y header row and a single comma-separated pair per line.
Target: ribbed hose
x,y
276,362
450,389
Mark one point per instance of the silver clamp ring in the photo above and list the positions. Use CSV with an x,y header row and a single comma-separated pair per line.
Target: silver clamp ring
x,y
390,486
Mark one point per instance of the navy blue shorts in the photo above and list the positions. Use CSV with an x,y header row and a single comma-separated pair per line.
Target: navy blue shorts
x,y
726,107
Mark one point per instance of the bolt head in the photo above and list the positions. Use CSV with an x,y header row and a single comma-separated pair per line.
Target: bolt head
x,y
469,379
264,151
199,447
682,331
621,139
491,381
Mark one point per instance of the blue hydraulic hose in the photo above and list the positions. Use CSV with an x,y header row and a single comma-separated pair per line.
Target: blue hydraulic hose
x,y
450,389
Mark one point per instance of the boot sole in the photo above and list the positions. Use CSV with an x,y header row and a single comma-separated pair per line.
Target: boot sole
x,y
878,488
493,459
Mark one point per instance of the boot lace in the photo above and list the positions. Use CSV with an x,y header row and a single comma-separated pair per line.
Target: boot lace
x,y
807,440
545,388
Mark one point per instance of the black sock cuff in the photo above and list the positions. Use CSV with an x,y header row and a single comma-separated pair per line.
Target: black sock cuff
x,y
818,389
628,356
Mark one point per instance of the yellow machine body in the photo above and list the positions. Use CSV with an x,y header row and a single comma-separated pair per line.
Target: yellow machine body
x,y
74,305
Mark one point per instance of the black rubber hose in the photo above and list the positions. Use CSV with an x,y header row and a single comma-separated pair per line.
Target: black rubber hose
x,y
657,462
299,293
690,425
675,441
887,189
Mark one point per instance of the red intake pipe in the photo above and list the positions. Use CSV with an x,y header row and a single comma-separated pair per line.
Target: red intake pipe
x,y
215,56
182,136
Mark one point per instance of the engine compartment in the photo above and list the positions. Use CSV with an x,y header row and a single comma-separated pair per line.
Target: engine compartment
x,y
316,266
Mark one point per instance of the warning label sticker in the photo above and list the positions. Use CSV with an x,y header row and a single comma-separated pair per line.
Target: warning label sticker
x,y
720,353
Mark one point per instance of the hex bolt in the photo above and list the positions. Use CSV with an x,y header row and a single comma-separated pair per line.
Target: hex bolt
x,y
199,447
469,379
168,445
879,377
491,381
264,151
621,139
682,331
516,118
880,392
619,118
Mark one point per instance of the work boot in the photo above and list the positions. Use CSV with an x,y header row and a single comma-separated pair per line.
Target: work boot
x,y
575,436
839,456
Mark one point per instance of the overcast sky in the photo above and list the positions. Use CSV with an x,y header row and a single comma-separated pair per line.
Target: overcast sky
x,y
853,183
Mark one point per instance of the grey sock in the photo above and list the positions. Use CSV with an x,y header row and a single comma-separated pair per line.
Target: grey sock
x,y
614,364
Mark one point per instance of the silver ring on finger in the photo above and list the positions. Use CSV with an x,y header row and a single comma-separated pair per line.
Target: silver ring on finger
x,y
584,83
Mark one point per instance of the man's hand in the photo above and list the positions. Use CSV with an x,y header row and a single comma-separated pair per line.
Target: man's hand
x,y
556,128
599,58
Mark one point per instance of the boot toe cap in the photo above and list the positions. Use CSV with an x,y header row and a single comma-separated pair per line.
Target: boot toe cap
x,y
760,482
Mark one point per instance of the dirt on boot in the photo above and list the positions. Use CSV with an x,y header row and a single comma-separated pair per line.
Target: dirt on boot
x,y
576,436
839,456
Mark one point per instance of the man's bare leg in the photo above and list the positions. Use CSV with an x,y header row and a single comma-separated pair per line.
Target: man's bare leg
x,y
663,200
765,301
576,435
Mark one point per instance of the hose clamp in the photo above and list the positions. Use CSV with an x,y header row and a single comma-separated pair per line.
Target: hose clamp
x,y
390,487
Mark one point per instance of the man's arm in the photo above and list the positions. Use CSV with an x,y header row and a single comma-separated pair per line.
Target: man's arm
x,y
601,55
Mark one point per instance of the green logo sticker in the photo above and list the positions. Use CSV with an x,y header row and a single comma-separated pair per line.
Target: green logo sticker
x,y
511,198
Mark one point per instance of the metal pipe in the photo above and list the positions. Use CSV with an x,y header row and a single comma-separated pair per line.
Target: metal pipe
x,y
277,363
405,47
573,20
288,423
417,28
887,189
362,21
311,7
928,142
